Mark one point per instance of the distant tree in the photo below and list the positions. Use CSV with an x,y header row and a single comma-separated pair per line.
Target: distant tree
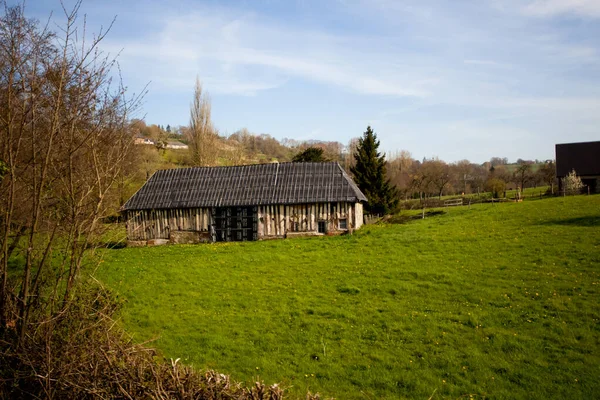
x,y
398,168
348,160
311,154
168,128
522,161
547,174
495,186
437,174
500,172
479,176
160,140
572,183
463,174
202,137
522,174
370,174
495,161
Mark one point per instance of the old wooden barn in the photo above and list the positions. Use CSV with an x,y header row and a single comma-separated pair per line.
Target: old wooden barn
x,y
250,202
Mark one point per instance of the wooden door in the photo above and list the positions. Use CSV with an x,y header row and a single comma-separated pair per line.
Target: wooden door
x,y
235,224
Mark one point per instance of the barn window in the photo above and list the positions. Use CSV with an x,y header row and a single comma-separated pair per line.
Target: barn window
x,y
344,223
322,226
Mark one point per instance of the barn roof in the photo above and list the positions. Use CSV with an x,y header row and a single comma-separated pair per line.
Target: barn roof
x,y
583,157
246,185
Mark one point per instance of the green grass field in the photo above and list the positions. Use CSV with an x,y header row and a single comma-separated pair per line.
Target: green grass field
x,y
494,301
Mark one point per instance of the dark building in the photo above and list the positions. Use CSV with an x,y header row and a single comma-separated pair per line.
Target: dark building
x,y
584,158
250,202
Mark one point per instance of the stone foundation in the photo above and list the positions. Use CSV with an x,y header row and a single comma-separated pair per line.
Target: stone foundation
x,y
302,234
157,242
189,237
136,243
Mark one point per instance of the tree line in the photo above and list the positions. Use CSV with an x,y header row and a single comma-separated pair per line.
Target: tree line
x,y
385,179
398,175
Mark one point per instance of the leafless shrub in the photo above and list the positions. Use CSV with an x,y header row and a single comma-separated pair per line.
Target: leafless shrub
x,y
65,138
83,353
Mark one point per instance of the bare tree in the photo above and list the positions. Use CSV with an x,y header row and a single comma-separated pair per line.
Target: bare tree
x,y
201,135
522,175
438,175
64,138
348,160
547,174
463,172
399,167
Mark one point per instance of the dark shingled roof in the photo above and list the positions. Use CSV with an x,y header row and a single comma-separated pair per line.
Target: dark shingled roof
x,y
583,157
246,185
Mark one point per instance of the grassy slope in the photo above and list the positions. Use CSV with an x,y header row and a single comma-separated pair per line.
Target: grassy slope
x,y
499,301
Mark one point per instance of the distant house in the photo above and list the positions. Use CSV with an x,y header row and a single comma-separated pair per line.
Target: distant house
x,y
176,145
251,202
584,158
142,140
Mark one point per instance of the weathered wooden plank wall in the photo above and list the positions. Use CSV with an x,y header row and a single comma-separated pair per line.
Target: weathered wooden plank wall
x,y
273,220
278,220
157,224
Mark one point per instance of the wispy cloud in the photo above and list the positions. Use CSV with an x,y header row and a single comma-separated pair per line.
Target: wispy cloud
x,y
224,48
487,63
495,70
550,8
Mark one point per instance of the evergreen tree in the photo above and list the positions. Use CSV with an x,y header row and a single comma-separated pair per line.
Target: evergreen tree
x,y
311,154
370,175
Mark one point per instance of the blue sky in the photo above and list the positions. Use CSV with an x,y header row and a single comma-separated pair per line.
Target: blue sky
x,y
462,79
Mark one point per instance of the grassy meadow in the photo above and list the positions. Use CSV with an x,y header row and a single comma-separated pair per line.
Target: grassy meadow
x,y
494,301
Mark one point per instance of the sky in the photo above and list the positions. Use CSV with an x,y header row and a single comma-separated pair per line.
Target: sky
x,y
461,79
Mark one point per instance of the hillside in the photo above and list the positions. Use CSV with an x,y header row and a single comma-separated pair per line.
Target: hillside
x,y
493,301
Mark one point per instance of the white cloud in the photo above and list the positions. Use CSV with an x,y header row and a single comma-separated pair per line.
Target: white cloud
x,y
550,8
227,49
417,73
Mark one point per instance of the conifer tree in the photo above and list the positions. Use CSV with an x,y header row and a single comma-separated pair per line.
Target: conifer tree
x,y
370,175
311,154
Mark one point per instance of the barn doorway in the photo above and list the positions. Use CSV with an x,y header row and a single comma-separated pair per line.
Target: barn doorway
x,y
322,227
235,224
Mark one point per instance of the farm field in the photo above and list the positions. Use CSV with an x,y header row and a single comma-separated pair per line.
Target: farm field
x,y
493,301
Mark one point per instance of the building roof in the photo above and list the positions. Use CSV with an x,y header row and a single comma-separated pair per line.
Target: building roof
x,y
247,185
583,157
176,144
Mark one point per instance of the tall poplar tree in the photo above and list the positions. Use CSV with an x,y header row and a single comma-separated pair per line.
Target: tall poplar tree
x,y
370,175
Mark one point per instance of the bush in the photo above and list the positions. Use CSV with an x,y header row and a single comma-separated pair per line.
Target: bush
x,y
495,186
572,183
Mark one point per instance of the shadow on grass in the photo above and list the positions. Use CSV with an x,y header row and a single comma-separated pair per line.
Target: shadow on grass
x,y
403,218
579,221
113,245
